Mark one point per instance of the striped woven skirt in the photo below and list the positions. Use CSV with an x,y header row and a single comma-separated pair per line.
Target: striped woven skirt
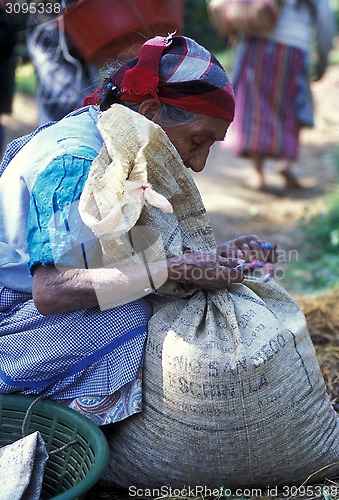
x,y
273,99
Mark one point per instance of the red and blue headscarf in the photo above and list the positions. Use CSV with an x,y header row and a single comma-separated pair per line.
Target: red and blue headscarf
x,y
177,71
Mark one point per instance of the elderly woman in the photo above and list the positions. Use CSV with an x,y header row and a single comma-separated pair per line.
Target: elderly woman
x,y
56,339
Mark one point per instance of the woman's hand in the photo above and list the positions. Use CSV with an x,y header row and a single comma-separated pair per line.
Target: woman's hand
x,y
249,248
204,269
56,290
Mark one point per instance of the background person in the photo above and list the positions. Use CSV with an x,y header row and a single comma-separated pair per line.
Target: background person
x,y
64,78
7,68
271,82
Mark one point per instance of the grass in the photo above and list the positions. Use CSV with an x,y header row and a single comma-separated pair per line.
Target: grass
x,y
334,57
317,268
25,79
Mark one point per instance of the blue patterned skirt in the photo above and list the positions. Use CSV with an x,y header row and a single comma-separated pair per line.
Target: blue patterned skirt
x,y
89,359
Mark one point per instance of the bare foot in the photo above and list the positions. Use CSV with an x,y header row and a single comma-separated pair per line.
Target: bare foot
x,y
291,182
257,181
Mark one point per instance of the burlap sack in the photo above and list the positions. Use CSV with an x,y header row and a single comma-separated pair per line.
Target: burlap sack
x,y
233,395
22,467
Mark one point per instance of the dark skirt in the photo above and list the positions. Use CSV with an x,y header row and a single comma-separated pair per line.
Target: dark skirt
x,y
273,99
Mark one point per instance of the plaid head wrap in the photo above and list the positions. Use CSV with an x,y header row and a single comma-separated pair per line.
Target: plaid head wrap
x,y
177,71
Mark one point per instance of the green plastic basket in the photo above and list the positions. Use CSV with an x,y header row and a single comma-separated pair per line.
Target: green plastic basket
x,y
69,473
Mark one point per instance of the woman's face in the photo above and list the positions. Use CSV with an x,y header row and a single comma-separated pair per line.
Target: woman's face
x,y
193,140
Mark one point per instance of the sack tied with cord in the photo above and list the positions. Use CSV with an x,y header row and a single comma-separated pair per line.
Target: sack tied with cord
x,y
233,394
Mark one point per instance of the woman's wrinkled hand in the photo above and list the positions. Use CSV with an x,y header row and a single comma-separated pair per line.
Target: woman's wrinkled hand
x,y
249,248
205,270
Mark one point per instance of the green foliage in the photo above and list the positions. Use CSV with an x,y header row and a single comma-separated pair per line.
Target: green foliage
x,y
198,26
323,228
318,265
25,79
335,6
309,276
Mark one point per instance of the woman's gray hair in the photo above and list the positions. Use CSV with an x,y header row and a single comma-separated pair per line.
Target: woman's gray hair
x,y
169,115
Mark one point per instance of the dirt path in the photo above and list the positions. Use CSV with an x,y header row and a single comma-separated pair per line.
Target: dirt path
x,y
233,207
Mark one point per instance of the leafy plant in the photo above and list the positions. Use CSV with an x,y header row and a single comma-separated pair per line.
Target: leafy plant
x,y
198,26
318,265
25,79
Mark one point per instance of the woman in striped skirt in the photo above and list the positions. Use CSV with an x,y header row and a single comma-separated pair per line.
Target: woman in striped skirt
x,y
271,82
